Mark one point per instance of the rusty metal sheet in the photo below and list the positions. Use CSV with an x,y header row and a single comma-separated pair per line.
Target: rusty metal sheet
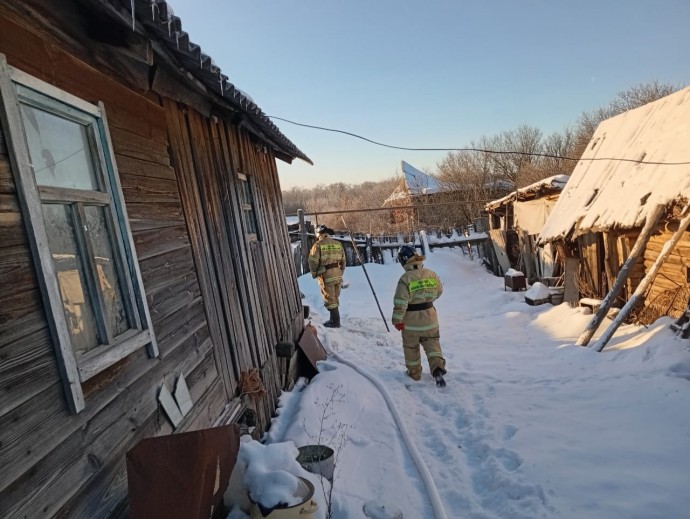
x,y
182,475
311,345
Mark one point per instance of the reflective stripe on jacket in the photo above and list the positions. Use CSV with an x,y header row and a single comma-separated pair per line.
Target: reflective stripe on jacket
x,y
327,251
417,285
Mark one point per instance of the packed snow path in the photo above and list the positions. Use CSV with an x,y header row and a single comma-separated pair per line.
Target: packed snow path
x,y
528,426
432,491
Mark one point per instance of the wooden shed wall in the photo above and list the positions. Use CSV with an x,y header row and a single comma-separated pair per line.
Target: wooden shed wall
x,y
255,294
55,463
602,260
670,291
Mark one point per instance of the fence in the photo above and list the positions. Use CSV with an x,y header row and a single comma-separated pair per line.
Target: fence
x,y
382,248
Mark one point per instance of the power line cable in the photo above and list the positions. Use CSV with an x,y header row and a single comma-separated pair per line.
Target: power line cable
x,y
480,150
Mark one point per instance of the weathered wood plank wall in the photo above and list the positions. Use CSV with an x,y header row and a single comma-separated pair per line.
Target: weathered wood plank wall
x,y
670,288
55,463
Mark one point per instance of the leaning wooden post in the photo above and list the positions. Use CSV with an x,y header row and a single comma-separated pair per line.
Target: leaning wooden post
x,y
646,281
623,275
304,245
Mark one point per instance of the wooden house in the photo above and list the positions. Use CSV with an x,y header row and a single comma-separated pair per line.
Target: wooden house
x,y
621,220
415,190
143,248
514,225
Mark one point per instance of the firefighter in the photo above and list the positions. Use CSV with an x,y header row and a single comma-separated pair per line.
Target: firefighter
x,y
327,264
415,316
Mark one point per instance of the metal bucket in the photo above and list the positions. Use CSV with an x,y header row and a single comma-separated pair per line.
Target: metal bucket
x,y
302,510
317,459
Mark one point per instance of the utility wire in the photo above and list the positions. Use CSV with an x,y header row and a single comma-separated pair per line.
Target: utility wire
x,y
480,150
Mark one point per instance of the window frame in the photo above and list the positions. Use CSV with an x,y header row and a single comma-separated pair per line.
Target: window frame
x,y
17,88
248,209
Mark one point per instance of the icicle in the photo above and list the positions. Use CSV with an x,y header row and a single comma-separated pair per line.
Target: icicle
x,y
177,39
222,90
154,8
132,4
171,13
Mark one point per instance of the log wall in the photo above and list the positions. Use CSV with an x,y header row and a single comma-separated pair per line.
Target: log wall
x,y
670,290
219,301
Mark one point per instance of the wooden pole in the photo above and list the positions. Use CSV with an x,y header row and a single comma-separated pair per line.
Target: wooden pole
x,y
623,275
646,281
304,245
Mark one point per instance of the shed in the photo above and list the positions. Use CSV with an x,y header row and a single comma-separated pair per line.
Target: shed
x,y
516,219
625,201
145,267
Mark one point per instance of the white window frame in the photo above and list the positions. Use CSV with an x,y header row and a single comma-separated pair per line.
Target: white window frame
x,y
74,370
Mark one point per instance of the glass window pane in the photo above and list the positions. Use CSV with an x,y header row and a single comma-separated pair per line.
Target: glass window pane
x,y
109,281
246,192
62,243
59,150
250,221
248,207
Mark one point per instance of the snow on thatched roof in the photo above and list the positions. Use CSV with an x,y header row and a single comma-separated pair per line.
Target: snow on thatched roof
x,y
603,194
547,185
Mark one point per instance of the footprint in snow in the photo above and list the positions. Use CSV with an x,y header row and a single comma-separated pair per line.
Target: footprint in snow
x,y
509,431
376,510
326,365
357,440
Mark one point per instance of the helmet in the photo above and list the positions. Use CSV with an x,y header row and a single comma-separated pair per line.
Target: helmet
x,y
322,229
405,253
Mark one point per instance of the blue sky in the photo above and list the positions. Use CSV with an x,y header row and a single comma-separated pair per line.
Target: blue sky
x,y
433,73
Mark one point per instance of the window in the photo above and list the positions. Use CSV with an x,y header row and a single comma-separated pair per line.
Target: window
x,y
77,223
248,209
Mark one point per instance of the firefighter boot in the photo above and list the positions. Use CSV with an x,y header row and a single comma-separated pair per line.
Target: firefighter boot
x,y
334,321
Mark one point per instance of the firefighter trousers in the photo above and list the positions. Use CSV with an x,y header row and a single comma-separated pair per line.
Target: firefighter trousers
x,y
330,293
430,341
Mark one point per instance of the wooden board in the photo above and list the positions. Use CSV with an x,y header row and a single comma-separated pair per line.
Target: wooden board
x,y
498,241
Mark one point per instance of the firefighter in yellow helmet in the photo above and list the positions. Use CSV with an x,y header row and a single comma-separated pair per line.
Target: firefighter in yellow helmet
x,y
415,316
327,264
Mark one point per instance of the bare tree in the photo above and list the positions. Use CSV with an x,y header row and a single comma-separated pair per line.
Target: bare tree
x,y
468,178
629,99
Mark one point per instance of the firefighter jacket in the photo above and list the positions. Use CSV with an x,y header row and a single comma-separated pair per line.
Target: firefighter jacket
x,y
327,259
417,287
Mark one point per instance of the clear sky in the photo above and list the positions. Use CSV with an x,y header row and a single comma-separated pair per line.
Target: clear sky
x,y
432,73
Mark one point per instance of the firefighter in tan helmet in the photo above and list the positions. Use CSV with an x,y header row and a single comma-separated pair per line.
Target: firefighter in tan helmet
x,y
327,264
415,316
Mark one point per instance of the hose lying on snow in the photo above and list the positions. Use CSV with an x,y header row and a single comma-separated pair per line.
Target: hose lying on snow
x,y
431,489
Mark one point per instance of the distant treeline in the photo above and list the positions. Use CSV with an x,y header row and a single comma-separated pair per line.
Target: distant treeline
x,y
470,177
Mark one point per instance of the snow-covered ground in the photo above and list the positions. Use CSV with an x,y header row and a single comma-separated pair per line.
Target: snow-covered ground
x,y
529,425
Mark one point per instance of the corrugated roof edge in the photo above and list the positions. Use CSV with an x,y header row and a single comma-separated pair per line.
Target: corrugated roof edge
x,y
158,17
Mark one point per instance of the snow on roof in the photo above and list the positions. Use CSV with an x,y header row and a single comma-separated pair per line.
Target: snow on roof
x,y
414,183
417,182
555,183
608,194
